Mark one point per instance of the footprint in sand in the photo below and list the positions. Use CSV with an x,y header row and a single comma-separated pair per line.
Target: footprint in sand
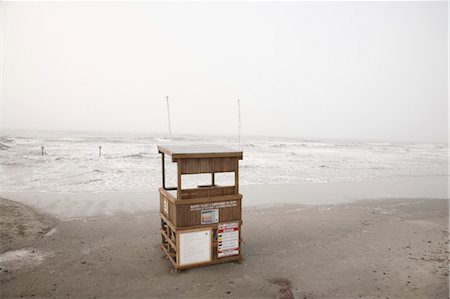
x,y
284,288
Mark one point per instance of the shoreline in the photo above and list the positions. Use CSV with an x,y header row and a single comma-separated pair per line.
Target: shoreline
x,y
67,206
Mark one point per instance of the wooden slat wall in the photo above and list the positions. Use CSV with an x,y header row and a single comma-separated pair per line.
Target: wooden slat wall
x,y
172,210
180,215
186,217
161,203
208,165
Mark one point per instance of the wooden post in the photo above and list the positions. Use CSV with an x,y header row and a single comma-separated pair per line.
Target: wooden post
x,y
179,179
99,150
163,171
213,179
42,151
236,178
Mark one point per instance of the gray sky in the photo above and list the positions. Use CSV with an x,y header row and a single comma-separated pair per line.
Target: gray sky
x,y
367,70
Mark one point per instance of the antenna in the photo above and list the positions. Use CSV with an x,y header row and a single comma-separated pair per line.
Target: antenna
x,y
239,126
168,118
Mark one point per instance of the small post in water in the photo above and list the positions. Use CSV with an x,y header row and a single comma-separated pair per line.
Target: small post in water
x,y
99,150
42,151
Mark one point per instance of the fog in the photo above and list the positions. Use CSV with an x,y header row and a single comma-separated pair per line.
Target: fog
x,y
338,70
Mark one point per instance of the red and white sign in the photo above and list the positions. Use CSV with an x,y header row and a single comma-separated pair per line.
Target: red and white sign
x,y
227,239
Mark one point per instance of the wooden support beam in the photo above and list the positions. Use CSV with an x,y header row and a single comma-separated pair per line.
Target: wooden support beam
x,y
236,177
170,188
163,171
179,179
168,239
169,256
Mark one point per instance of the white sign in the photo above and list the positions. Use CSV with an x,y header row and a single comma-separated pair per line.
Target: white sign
x,y
227,239
214,205
210,216
194,247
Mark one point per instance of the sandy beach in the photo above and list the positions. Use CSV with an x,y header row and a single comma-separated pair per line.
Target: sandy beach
x,y
224,149
386,248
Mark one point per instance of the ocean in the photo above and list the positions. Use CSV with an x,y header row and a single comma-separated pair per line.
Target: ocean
x,y
130,162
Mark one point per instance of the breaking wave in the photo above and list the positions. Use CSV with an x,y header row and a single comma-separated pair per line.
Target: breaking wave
x,y
71,161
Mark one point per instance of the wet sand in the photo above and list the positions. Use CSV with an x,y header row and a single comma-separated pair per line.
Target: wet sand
x,y
396,248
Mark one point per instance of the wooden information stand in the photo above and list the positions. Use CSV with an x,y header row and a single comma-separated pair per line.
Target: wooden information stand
x,y
201,226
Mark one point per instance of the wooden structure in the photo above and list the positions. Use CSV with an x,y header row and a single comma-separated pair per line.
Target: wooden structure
x,y
202,225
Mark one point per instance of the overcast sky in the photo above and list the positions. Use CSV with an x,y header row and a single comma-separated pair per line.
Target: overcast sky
x,y
368,70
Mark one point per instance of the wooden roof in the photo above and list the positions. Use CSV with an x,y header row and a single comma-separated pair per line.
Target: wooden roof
x,y
199,151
